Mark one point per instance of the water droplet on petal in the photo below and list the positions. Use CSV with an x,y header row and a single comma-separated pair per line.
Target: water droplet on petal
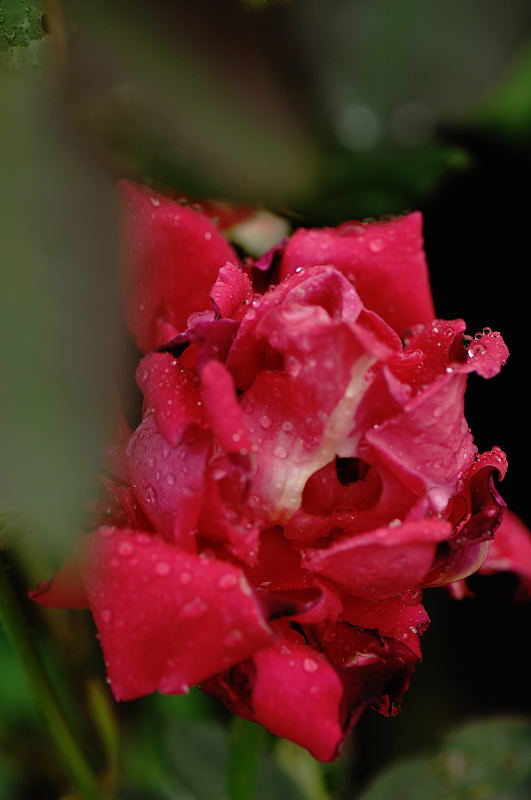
x,y
228,581
376,245
125,548
162,568
151,495
309,665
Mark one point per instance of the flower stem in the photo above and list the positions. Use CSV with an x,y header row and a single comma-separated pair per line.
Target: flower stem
x,y
246,742
74,760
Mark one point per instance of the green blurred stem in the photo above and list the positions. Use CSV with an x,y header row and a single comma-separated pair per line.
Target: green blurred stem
x,y
74,761
245,746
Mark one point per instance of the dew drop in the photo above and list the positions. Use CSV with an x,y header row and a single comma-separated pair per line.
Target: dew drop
x,y
106,615
151,495
185,578
170,478
227,581
280,452
125,548
265,422
309,665
195,608
162,568
376,245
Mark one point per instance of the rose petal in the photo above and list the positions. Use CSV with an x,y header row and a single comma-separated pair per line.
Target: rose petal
x,y
511,551
384,260
222,409
173,255
375,670
380,563
172,393
166,618
429,445
65,590
168,481
232,292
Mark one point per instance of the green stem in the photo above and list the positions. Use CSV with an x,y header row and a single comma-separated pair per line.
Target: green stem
x,y
245,746
74,761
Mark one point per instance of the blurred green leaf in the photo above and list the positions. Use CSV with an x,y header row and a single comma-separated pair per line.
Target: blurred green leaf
x,y
20,23
484,760
187,760
507,109
189,95
57,311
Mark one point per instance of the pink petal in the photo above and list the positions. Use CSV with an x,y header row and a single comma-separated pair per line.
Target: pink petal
x,y
487,355
232,292
222,408
429,445
375,670
298,695
380,563
168,481
402,617
511,551
224,515
173,255
166,618
384,260
65,590
172,393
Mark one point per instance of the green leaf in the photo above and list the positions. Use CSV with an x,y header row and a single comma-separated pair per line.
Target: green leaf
x,y
484,760
57,312
20,23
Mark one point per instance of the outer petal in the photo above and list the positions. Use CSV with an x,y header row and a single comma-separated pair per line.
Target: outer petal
x,y
166,618
511,550
293,691
402,617
173,255
64,590
384,260
383,562
375,670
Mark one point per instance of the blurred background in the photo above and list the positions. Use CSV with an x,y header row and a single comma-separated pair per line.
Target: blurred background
x,y
319,111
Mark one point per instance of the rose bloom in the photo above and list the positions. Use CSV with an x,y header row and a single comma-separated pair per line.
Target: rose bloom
x,y
300,473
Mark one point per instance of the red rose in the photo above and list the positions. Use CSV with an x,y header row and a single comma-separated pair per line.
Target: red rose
x,y
299,475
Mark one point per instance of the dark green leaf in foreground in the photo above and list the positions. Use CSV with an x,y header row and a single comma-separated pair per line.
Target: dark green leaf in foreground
x,y
57,311
485,760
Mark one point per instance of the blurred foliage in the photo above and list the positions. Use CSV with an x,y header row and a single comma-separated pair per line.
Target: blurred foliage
x,y
506,111
20,23
485,760
57,312
177,752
